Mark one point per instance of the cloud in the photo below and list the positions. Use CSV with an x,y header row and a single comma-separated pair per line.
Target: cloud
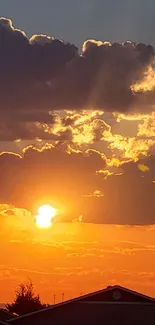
x,y
42,74
129,196
83,104
81,128
80,183
96,193
50,172
79,219
104,77
146,128
86,127
129,148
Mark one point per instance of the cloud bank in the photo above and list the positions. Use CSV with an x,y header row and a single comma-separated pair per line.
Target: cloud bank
x,y
81,183
42,74
82,103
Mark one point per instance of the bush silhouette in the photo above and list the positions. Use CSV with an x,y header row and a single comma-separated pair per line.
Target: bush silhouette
x,y
25,300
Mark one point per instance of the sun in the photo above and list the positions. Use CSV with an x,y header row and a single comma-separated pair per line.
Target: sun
x,y
45,215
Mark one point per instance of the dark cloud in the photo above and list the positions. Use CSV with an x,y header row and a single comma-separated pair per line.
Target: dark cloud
x,y
79,183
51,172
42,74
27,70
128,195
27,67
103,76
13,130
29,125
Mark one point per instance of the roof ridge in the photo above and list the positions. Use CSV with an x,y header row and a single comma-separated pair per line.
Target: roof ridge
x,y
137,293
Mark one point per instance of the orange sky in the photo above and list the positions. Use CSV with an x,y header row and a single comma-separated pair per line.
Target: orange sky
x,y
75,257
77,131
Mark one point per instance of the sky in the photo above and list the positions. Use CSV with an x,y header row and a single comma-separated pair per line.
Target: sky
x,y
75,21
77,132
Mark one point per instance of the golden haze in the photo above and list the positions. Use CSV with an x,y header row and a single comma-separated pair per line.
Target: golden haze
x,y
74,257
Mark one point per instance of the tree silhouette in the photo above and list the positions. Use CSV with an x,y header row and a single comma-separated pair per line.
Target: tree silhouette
x,y
25,300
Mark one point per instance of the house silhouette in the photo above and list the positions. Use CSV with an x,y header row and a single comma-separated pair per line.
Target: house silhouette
x,y
113,305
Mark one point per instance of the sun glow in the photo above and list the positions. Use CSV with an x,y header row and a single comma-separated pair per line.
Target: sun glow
x,y
45,215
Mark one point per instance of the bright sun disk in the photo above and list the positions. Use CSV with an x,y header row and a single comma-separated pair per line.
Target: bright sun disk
x,y
45,215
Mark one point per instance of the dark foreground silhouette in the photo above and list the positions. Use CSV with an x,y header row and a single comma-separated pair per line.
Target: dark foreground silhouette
x,y
25,300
